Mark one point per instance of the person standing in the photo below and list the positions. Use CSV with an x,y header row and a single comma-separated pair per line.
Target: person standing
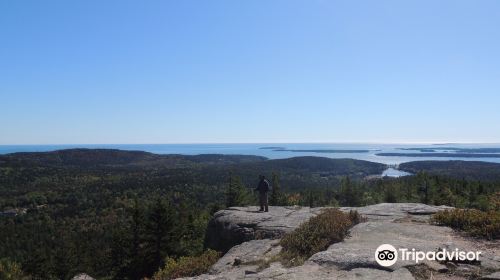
x,y
263,189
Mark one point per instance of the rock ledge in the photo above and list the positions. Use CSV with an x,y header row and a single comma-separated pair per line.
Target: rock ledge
x,y
250,239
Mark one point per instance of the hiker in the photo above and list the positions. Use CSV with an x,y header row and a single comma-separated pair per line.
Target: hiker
x,y
263,189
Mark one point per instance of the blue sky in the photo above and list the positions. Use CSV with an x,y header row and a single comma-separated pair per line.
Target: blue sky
x,y
249,71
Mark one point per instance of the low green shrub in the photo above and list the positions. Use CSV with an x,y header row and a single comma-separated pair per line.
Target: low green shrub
x,y
10,270
187,266
475,222
495,201
315,235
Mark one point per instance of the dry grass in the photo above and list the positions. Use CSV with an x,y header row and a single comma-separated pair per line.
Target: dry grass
x,y
316,235
475,222
187,266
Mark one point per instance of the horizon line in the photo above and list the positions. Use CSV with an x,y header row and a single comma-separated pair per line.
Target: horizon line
x,y
263,143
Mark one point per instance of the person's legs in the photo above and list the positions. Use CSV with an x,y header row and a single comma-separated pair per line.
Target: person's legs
x,y
266,202
261,201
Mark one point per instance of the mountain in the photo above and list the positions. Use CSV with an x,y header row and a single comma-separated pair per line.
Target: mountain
x,y
87,158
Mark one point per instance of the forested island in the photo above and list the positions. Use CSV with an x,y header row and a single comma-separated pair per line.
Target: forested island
x,y
120,214
326,151
447,152
455,149
445,155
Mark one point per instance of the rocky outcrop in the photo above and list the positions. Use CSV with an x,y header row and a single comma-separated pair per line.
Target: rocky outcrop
x,y
249,253
82,276
358,250
236,225
251,241
393,211
493,276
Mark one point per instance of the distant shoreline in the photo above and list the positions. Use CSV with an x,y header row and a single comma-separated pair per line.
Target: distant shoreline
x,y
327,151
381,153
448,155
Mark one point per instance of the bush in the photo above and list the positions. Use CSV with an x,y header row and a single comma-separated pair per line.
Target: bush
x,y
11,270
187,266
475,222
495,201
315,235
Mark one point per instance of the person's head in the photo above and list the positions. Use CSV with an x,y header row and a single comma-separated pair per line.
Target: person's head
x,y
262,177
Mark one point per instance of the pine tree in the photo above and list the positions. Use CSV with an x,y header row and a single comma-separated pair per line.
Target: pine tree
x,y
310,199
425,188
390,194
236,193
135,228
159,234
445,197
349,193
276,192
231,194
134,263
119,251
409,191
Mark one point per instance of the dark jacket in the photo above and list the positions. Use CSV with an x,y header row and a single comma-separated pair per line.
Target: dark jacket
x,y
263,186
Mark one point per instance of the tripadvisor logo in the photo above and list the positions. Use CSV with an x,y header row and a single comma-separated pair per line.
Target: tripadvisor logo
x,y
387,255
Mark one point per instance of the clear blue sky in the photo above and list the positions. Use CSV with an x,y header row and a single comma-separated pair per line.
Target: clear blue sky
x,y
249,71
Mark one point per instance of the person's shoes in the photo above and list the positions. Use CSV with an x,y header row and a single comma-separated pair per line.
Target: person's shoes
x,y
267,210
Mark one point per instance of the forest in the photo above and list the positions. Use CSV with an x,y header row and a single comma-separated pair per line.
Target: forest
x,y
120,215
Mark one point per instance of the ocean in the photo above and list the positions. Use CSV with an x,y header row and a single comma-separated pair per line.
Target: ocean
x,y
395,153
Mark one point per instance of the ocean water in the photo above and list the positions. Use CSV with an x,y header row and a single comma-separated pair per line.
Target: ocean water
x,y
392,172
284,150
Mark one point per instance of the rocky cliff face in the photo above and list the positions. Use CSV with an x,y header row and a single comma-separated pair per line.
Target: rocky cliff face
x,y
250,238
236,225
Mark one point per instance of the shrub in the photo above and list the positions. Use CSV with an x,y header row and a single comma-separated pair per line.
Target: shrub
x,y
315,235
495,201
187,266
475,222
11,270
